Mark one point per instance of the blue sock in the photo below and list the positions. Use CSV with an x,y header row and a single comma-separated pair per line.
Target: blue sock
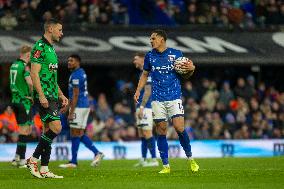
x,y
151,143
89,144
185,143
144,147
163,148
75,146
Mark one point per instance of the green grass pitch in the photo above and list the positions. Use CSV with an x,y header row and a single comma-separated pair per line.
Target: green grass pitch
x,y
216,173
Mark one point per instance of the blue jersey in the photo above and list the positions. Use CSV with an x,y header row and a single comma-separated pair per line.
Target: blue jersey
x,y
148,104
78,78
165,81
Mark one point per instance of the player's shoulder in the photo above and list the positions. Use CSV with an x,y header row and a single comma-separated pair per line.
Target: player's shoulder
x,y
17,64
78,73
82,71
173,51
39,44
150,53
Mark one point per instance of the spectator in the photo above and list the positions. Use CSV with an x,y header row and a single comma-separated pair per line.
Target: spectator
x,y
103,110
8,21
226,94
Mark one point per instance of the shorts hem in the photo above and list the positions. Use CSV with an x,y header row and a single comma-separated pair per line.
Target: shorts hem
x,y
159,120
27,123
177,115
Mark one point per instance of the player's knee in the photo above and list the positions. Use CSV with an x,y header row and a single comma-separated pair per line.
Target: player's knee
x,y
76,132
55,127
29,132
161,130
147,134
25,130
56,130
179,128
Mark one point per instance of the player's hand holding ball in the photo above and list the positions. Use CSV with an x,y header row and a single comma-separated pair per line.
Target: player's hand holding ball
x,y
184,65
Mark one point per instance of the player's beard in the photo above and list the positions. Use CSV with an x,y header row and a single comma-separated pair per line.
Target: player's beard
x,y
55,39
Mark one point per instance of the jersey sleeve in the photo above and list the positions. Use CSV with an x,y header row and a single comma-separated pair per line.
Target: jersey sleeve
x,y
179,54
37,53
147,65
75,81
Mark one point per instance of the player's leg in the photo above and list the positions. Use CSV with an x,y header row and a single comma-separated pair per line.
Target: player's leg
x,y
151,145
147,132
24,132
177,114
52,127
23,118
139,124
162,143
178,123
144,150
76,134
160,117
81,122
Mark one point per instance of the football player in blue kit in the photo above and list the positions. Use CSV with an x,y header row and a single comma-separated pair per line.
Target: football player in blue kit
x,y
78,112
144,119
166,95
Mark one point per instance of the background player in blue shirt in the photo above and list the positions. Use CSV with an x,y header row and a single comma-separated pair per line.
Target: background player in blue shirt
x,y
78,112
166,95
144,119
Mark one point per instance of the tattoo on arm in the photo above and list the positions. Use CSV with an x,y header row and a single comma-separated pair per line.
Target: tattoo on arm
x,y
146,95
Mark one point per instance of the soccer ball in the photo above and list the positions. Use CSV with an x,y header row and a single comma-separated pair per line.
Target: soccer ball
x,y
177,65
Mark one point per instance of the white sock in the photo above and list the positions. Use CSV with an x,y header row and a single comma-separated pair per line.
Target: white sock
x,y
22,161
168,165
190,158
44,169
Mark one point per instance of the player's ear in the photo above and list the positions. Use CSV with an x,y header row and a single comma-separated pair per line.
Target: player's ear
x,y
50,28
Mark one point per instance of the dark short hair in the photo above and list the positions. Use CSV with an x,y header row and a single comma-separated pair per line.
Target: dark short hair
x,y
76,56
140,54
161,33
51,21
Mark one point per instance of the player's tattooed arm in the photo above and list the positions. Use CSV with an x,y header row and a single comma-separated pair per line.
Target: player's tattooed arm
x,y
35,69
147,94
142,82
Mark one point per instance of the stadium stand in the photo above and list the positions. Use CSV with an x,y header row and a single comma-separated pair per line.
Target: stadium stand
x,y
238,107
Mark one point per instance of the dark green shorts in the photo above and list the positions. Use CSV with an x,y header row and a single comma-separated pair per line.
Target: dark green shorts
x,y
23,116
48,114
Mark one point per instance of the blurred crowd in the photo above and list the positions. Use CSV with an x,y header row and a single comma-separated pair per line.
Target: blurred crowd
x,y
223,13
213,110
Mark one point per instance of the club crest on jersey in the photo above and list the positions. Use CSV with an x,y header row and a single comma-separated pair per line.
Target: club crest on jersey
x,y
171,57
37,54
52,67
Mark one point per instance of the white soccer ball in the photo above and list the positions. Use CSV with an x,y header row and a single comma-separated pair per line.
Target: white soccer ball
x,y
177,65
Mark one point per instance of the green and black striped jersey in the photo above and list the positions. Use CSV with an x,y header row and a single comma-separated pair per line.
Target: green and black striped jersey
x,y
43,53
18,85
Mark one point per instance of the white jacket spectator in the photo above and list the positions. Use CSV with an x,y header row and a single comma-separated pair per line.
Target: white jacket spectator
x,y
8,21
